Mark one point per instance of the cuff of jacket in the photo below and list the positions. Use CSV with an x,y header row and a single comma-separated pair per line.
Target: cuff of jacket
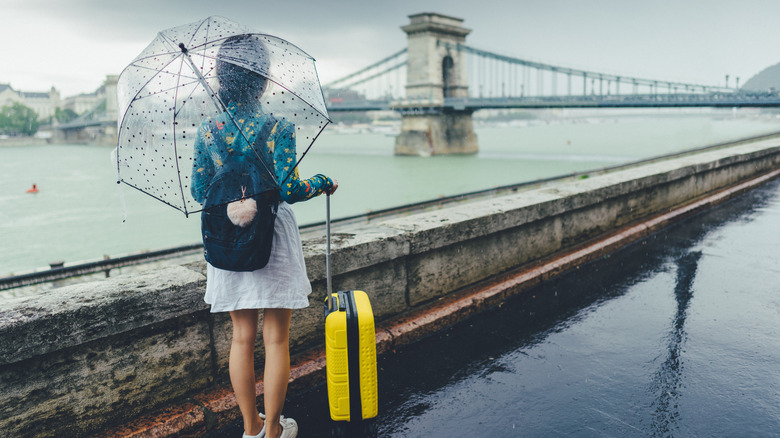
x,y
328,182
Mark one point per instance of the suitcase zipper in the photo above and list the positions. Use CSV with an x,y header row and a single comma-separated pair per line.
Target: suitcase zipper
x,y
353,355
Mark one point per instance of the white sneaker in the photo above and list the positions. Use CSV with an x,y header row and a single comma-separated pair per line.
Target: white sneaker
x,y
289,428
259,435
262,431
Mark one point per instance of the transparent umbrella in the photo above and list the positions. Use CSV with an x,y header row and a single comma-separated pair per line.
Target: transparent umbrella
x,y
210,92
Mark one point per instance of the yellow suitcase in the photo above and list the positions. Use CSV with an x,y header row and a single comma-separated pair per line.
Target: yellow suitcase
x,y
350,356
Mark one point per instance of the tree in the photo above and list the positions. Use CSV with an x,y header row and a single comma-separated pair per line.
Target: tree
x,y
64,115
18,119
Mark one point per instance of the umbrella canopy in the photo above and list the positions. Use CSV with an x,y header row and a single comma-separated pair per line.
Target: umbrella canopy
x,y
212,91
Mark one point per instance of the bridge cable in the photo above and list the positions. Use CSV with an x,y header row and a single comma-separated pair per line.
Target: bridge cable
x,y
363,70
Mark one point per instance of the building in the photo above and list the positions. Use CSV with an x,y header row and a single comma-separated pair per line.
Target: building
x,y
102,100
96,123
43,103
84,102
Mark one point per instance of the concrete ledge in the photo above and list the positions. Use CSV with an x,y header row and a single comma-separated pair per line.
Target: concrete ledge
x,y
88,357
81,313
220,405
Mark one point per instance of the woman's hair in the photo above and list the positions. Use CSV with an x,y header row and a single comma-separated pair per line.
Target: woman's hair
x,y
237,83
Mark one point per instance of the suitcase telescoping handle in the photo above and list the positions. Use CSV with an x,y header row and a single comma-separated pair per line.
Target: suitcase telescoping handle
x,y
327,243
332,303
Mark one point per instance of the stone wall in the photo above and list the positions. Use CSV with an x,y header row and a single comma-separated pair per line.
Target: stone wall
x,y
82,358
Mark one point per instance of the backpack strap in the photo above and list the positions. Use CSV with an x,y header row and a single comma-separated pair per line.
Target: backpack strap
x,y
260,146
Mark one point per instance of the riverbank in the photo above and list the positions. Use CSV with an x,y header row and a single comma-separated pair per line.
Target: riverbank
x,y
23,141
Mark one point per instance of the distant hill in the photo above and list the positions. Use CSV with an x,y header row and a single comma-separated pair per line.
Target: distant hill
x,y
766,79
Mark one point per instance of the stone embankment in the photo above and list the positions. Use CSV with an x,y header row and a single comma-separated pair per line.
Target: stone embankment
x,y
22,141
141,354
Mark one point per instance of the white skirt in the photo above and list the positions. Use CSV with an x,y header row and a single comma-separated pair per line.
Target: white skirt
x,y
282,283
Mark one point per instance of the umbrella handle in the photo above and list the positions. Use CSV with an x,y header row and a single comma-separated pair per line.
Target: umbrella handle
x,y
327,243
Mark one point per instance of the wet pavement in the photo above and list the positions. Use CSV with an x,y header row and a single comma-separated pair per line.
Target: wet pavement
x,y
675,335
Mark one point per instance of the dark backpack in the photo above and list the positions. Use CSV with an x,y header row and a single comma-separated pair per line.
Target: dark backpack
x,y
227,245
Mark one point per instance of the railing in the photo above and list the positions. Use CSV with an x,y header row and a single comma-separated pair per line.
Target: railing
x,y
59,271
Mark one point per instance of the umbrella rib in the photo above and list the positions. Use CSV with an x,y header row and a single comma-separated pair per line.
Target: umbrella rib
x,y
197,80
207,41
304,100
304,153
135,97
192,91
164,90
285,41
158,70
154,69
178,76
175,149
208,27
154,56
322,95
203,59
160,199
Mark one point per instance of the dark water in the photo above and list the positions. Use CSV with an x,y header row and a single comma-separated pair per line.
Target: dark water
x,y
677,335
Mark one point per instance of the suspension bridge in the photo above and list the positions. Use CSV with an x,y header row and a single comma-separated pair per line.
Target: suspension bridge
x,y
438,81
498,81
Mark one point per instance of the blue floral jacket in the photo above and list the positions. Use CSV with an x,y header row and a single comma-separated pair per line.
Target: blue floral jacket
x,y
219,136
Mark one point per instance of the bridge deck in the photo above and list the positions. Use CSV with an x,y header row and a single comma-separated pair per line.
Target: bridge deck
x,y
717,100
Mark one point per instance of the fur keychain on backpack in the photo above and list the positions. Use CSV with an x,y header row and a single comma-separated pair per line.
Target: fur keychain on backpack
x,y
242,212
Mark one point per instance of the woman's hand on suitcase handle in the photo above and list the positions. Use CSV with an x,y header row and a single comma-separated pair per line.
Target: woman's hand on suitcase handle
x,y
333,187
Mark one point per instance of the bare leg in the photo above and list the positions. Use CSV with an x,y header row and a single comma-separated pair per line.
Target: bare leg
x,y
242,367
276,337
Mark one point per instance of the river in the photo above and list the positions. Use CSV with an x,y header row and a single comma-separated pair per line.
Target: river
x,y
79,212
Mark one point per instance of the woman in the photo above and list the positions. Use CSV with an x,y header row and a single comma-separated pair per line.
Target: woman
x,y
280,286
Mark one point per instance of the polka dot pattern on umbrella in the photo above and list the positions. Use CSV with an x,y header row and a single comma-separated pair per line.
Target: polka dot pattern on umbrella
x,y
191,73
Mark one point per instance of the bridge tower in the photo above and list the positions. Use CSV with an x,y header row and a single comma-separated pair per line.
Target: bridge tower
x,y
436,70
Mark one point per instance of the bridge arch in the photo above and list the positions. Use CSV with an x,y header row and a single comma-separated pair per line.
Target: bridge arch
x,y
449,77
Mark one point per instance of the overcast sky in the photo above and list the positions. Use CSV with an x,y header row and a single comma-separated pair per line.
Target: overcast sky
x,y
73,44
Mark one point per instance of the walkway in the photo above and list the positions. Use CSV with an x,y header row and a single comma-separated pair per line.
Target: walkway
x,y
675,335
